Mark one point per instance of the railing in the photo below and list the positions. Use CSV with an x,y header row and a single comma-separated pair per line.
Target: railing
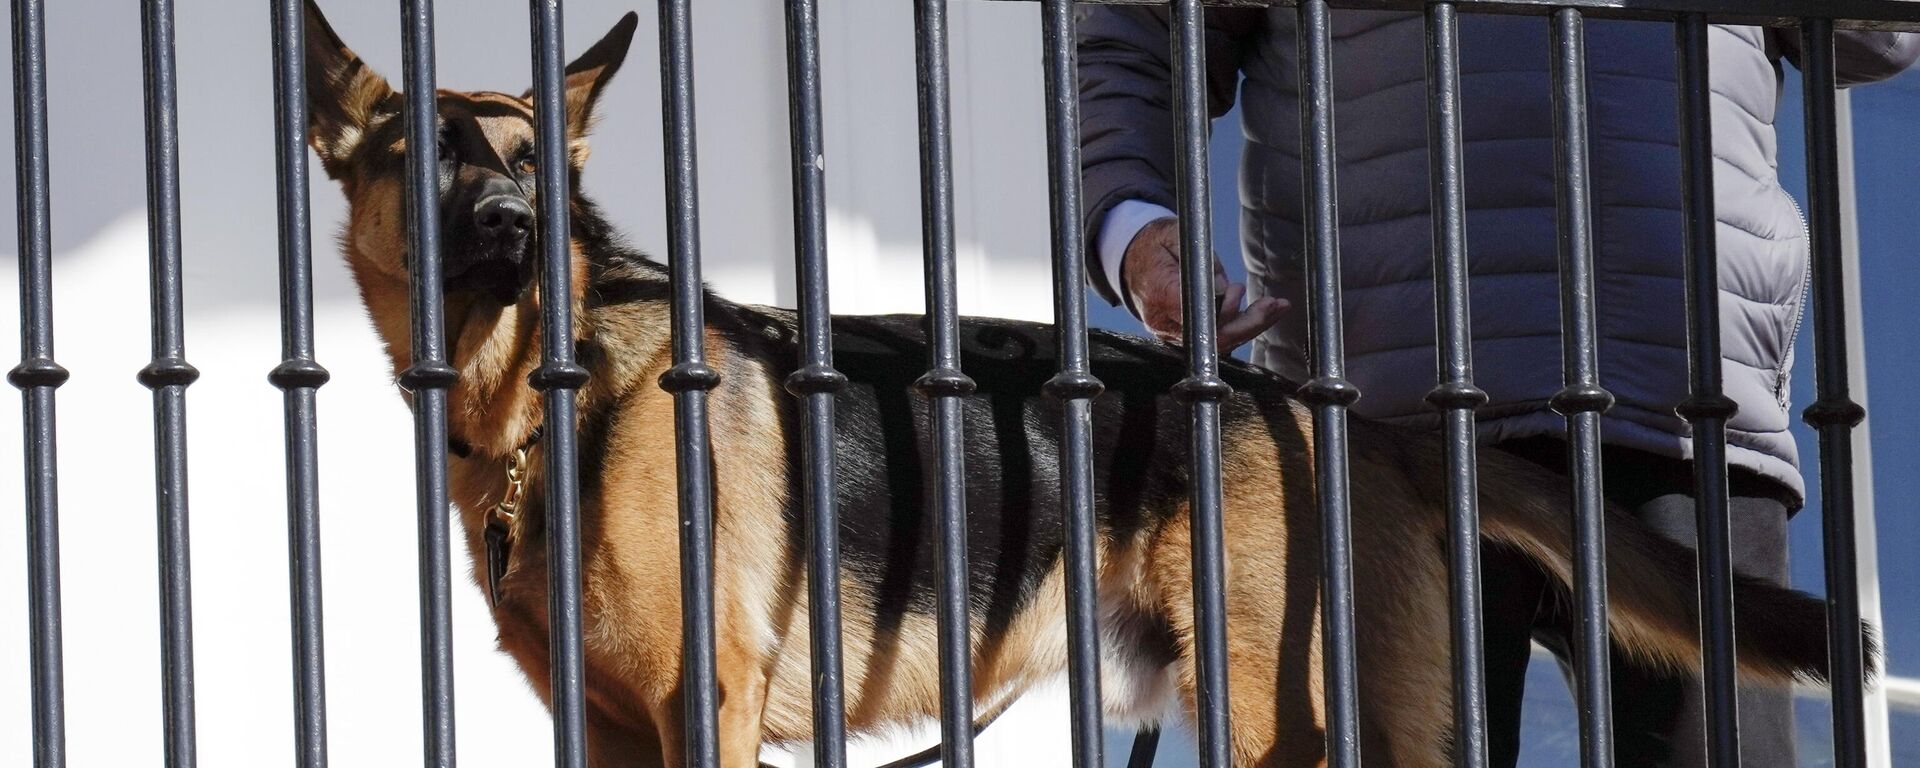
x,y
815,383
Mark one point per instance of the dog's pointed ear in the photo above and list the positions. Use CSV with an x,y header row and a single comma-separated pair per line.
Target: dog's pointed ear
x,y
343,93
588,75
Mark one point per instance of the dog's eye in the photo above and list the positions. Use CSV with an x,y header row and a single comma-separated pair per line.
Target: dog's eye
x,y
527,165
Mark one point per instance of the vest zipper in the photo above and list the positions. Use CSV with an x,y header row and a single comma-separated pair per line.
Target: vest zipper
x,y
1785,374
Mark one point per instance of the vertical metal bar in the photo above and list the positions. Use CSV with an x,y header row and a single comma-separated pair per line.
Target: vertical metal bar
x,y
298,376
1582,400
1707,408
1455,393
816,382
38,376
168,376
1834,413
1074,386
944,383
689,380
1203,389
1328,391
558,378
427,379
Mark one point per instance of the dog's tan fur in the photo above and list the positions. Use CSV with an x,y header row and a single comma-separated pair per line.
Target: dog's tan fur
x,y
631,573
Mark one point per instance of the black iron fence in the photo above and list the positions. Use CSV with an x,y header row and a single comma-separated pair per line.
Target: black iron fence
x,y
815,382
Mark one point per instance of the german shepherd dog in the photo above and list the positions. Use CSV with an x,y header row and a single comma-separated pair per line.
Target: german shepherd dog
x,y
1016,601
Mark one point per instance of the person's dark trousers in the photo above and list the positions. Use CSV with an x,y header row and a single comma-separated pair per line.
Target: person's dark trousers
x,y
1658,718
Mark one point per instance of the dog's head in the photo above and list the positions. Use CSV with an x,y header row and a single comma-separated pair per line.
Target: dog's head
x,y
486,152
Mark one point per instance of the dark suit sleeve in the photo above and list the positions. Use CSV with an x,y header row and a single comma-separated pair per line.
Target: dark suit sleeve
x,y
1859,56
1126,106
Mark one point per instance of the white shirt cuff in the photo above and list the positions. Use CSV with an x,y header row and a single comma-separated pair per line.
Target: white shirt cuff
x,y
1117,230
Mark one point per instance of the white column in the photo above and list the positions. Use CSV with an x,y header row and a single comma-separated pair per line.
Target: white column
x,y
1865,536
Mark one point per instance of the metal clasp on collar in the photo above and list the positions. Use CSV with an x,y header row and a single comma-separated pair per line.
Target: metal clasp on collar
x,y
503,525
508,510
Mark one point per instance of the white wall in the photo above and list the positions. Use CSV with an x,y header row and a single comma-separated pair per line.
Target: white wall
x,y
244,697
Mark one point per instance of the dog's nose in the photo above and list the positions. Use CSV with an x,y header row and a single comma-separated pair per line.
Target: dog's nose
x,y
503,217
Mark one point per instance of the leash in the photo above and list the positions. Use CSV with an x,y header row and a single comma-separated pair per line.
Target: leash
x,y
503,520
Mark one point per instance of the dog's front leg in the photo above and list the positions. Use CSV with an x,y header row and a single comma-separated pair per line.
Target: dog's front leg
x,y
743,697
743,705
614,742
669,719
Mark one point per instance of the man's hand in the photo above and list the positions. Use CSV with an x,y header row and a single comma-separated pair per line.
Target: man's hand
x,y
1151,268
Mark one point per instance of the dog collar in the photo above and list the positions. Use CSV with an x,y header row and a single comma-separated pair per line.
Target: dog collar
x,y
503,519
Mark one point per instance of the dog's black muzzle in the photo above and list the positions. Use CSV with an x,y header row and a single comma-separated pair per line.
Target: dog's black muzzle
x,y
491,230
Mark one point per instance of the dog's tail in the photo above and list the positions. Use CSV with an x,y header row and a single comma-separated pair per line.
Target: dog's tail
x,y
1652,599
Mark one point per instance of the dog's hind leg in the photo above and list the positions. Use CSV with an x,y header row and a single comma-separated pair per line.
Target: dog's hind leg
x,y
1406,678
1273,656
1275,675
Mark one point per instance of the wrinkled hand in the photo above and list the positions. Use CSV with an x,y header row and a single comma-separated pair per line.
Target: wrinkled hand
x,y
1151,268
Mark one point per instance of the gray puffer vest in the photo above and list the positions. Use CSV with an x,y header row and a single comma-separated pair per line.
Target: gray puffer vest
x,y
1508,123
